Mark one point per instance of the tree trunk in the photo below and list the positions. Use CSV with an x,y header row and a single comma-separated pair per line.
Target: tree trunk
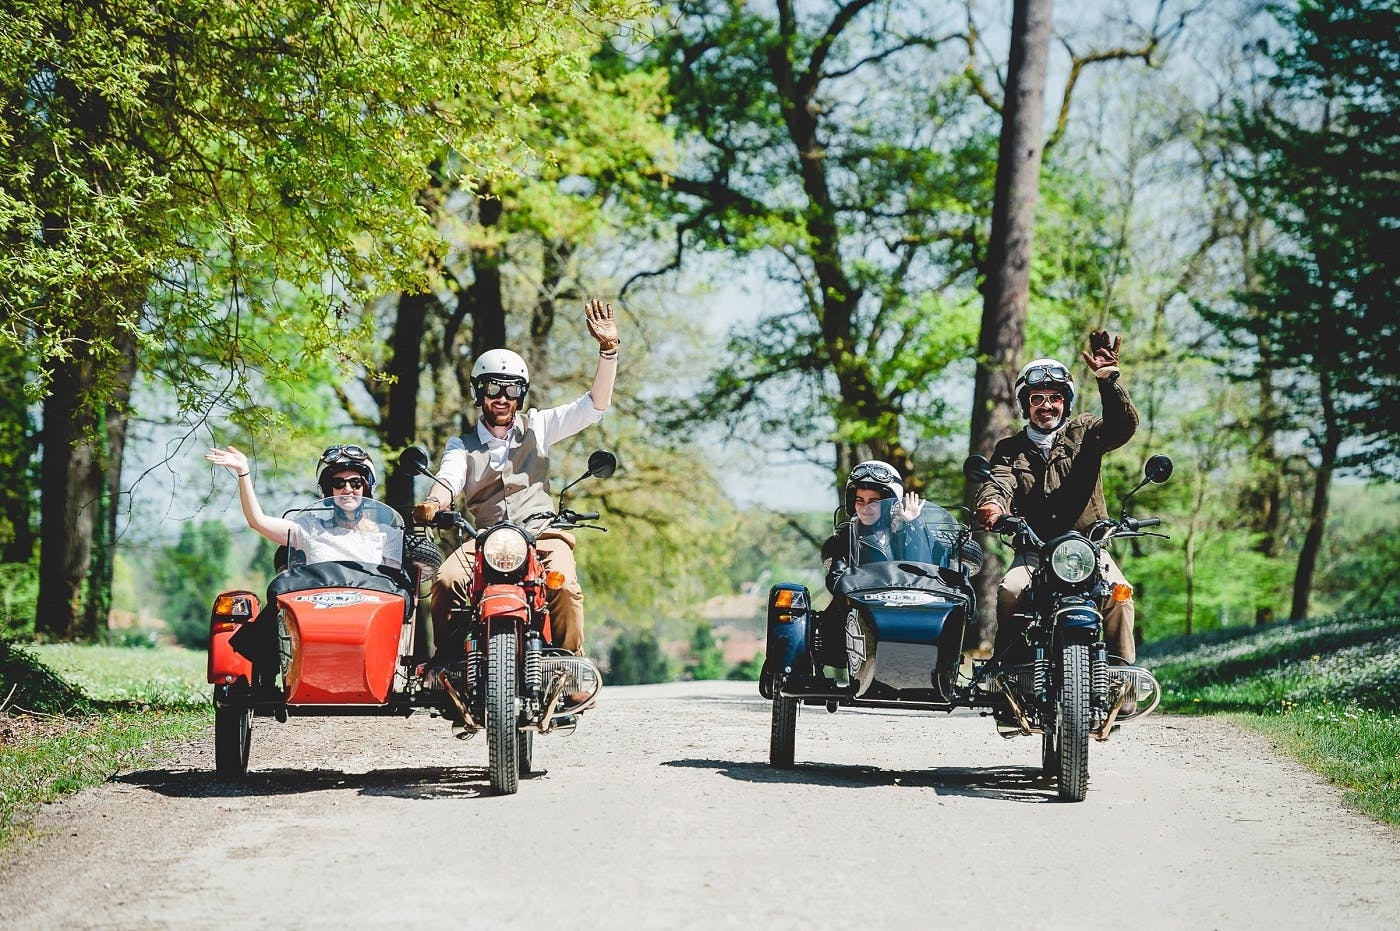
x,y
484,298
1317,514
1006,291
554,267
399,427
70,489
108,465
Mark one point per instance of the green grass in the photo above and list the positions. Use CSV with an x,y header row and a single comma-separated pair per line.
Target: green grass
x,y
89,713
1325,691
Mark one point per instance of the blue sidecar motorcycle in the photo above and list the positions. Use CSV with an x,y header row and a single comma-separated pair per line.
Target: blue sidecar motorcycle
x,y
892,636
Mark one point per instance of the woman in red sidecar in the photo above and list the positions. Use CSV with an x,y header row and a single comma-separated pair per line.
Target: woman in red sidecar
x,y
337,629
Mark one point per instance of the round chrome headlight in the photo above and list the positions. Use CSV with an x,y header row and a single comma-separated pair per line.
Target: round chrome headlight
x,y
505,550
1073,560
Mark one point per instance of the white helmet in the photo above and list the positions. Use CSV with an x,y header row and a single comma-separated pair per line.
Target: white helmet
x,y
873,475
500,365
1044,373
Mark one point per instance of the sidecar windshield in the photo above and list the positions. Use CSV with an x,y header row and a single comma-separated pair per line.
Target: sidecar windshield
x,y
884,532
348,528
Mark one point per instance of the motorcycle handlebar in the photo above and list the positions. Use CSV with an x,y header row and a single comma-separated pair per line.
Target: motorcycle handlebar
x,y
586,515
1146,522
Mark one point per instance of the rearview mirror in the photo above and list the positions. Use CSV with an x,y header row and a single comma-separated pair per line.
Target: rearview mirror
x,y
414,461
977,468
602,464
1158,469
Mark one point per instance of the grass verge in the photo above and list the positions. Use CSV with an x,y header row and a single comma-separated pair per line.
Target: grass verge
x,y
1325,691
77,715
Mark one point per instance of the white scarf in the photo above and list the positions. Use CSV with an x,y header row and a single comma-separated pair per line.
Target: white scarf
x,y
1043,440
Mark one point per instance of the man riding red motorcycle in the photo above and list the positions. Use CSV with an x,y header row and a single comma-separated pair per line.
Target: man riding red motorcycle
x,y
501,470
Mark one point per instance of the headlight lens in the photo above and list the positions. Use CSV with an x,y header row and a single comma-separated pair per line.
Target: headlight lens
x,y
1073,560
505,550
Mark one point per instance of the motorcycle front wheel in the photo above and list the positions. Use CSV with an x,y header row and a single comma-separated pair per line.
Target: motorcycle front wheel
x,y
783,737
1073,722
233,737
502,730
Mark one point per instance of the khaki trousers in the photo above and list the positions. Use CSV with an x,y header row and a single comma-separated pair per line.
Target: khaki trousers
x,y
453,585
1118,617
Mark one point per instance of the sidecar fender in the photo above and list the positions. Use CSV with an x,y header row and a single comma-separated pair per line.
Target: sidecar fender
x,y
231,611
787,656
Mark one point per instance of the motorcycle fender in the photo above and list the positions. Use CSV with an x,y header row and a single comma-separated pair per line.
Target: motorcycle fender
x,y
231,611
503,601
1078,623
786,656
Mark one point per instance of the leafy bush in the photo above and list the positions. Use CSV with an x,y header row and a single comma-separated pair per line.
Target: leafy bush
x,y
19,590
27,683
190,574
636,658
1339,660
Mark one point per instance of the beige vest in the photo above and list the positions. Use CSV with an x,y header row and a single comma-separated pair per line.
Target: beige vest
x,y
520,489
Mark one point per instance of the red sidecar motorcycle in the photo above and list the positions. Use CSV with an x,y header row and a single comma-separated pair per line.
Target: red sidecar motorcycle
x,y
341,637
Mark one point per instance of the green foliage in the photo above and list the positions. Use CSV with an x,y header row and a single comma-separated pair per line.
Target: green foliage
x,y
1349,659
164,677
636,658
19,589
706,654
1324,158
189,575
27,683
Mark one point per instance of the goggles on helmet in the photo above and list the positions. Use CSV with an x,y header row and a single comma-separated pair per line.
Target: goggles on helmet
x,y
1050,371
494,389
874,472
337,453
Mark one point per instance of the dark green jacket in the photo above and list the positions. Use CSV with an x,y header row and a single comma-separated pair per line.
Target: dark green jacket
x,y
1063,491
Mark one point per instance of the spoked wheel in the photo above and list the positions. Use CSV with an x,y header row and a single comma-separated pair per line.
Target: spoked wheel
x,y
502,732
233,733
526,752
783,738
1074,723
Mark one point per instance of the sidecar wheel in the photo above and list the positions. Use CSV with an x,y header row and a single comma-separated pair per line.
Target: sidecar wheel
x,y
783,738
1074,723
502,732
233,737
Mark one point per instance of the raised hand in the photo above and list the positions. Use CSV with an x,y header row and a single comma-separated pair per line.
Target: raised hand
x,y
230,458
1102,352
602,325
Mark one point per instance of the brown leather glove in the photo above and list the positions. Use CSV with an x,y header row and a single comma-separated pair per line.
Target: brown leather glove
x,y
425,512
1102,353
989,514
602,325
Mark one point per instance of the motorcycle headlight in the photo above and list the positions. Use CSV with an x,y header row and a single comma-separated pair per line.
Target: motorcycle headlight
x,y
505,550
1073,560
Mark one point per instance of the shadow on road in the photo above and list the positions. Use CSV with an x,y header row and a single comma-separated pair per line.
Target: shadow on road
x,y
418,782
1003,783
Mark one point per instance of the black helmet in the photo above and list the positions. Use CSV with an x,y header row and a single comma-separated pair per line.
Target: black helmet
x,y
873,475
341,458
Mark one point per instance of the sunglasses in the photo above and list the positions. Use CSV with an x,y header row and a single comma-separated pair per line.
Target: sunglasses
x,y
1039,399
494,389
355,483
333,453
1049,372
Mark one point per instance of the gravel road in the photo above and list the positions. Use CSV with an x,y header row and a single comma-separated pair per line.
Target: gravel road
x,y
661,812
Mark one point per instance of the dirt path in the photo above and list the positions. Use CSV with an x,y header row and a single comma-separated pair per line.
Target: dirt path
x,y
661,812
